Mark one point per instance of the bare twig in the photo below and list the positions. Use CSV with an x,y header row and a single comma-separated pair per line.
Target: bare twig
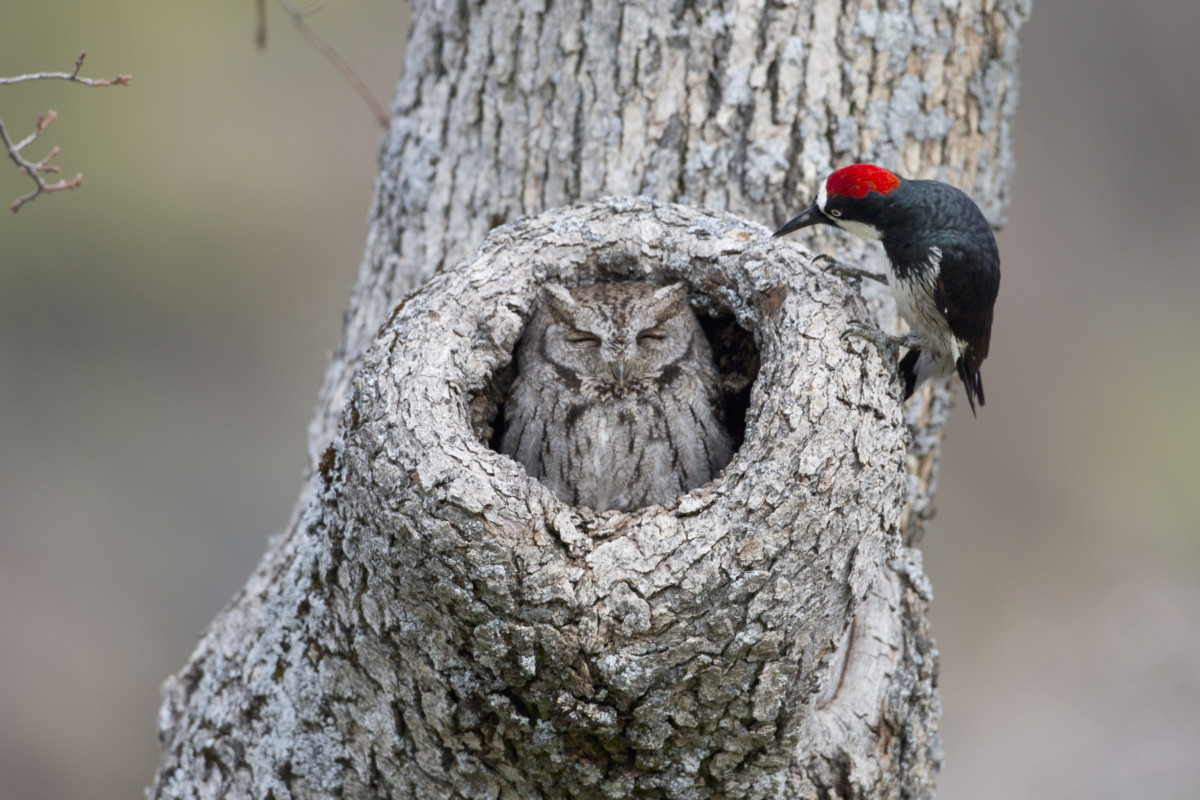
x,y
35,169
297,16
73,77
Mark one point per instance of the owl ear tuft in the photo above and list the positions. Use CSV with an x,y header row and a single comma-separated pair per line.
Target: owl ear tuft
x,y
559,300
670,300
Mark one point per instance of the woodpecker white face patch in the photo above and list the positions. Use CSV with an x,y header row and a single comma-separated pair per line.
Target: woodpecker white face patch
x,y
860,229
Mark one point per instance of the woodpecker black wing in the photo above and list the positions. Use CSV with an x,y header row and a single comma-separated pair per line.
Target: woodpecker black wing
x,y
967,284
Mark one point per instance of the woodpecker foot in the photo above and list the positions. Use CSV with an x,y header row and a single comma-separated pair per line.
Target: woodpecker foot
x,y
852,274
888,345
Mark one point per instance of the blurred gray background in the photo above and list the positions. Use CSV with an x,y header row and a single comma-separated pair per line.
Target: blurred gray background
x,y
164,329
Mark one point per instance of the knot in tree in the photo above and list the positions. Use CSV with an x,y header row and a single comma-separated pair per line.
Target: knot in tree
x,y
444,625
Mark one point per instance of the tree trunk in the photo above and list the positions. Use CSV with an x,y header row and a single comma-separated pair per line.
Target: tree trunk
x,y
436,624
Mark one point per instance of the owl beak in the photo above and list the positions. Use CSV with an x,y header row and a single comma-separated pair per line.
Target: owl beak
x,y
622,368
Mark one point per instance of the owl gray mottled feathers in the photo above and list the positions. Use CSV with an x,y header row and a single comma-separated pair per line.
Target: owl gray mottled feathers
x,y
617,403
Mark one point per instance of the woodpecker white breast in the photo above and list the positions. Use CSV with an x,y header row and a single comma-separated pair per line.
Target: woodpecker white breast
x,y
944,266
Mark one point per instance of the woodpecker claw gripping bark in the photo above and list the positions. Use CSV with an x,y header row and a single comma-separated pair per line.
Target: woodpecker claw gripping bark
x,y
943,267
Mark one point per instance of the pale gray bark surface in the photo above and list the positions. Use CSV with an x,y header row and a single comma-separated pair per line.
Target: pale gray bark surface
x,y
434,624
445,626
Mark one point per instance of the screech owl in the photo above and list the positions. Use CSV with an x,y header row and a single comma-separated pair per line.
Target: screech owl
x,y
617,403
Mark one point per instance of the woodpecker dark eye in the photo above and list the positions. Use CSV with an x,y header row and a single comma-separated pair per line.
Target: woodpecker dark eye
x,y
651,334
834,212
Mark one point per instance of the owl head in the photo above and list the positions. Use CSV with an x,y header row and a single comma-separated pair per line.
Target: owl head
x,y
618,335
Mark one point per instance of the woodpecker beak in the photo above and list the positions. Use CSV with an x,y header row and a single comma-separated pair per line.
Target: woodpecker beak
x,y
810,216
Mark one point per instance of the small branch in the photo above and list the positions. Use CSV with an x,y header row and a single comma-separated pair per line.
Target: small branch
x,y
297,16
35,169
73,77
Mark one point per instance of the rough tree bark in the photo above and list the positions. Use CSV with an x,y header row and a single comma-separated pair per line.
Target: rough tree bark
x,y
435,624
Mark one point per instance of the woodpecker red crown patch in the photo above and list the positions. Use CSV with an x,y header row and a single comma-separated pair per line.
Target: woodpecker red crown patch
x,y
857,180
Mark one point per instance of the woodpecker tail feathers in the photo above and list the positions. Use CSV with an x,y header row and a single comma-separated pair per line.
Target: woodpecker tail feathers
x,y
918,366
908,372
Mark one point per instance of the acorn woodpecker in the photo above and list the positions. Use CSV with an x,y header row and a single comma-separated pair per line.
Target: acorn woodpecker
x,y
944,267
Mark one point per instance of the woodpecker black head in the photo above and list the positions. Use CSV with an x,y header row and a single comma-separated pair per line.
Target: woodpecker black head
x,y
852,198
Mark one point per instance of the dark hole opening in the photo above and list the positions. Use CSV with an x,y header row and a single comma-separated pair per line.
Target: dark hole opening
x,y
738,362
